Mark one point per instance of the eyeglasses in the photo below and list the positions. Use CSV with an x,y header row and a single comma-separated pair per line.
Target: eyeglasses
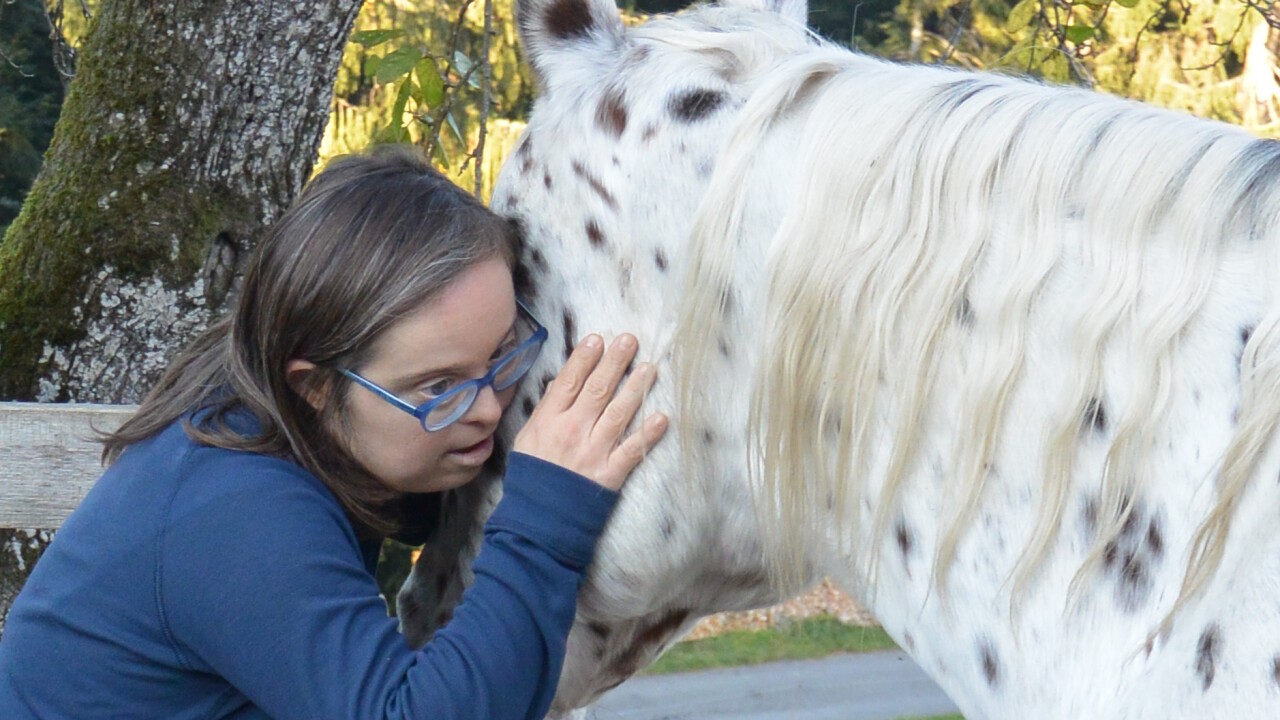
x,y
440,412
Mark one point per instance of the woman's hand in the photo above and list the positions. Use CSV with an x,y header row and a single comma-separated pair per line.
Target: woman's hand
x,y
580,422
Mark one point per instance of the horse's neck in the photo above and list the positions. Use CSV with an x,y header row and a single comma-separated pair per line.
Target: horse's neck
x,y
614,264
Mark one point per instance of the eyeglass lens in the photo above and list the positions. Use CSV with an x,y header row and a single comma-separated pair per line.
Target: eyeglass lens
x,y
453,407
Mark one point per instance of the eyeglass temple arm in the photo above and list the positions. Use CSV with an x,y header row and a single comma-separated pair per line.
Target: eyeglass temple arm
x,y
381,393
528,312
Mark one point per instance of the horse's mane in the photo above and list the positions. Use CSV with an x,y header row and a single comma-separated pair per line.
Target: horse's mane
x,y
909,178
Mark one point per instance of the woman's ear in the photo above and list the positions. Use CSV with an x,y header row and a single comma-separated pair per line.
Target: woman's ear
x,y
298,373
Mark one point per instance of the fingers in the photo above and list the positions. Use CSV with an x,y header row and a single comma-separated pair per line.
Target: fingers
x,y
564,390
632,450
588,381
619,413
581,422
602,382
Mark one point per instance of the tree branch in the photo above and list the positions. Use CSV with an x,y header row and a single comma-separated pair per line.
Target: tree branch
x,y
485,82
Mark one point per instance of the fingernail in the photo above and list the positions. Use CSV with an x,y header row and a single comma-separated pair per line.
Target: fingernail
x,y
626,342
591,341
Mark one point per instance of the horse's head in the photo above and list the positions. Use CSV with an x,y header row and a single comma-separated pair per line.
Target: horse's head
x,y
624,136
620,153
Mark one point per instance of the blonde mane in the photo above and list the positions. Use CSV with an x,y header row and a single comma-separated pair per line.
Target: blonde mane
x,y
884,268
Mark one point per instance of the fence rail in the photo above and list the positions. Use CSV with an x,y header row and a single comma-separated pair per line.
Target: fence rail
x,y
49,460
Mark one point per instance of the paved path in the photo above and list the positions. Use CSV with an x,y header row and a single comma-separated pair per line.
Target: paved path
x,y
867,686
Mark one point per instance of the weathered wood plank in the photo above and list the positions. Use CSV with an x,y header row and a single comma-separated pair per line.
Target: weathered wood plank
x,y
48,460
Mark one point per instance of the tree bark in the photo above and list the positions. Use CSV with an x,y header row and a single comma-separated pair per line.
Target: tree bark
x,y
189,127
1259,81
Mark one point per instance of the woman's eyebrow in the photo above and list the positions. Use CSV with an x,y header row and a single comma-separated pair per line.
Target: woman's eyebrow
x,y
458,369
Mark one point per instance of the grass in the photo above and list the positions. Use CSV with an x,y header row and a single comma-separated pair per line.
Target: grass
x,y
803,639
799,640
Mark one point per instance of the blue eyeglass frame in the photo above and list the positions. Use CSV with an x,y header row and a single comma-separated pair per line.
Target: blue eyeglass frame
x,y
421,412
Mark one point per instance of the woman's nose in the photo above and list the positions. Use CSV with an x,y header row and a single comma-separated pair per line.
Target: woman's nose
x,y
486,409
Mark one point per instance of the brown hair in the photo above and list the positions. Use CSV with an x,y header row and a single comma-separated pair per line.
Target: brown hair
x,y
371,238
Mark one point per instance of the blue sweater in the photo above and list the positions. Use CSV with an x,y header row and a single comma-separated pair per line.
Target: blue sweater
x,y
197,582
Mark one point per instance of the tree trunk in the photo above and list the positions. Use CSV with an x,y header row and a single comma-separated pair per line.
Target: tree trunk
x,y
916,48
1259,83
189,127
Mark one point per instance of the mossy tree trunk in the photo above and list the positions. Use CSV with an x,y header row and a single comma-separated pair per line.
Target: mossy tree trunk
x,y
188,128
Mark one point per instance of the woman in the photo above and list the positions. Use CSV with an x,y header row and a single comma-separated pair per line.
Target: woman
x,y
220,567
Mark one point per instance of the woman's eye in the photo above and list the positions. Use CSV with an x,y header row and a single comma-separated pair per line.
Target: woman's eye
x,y
436,388
502,351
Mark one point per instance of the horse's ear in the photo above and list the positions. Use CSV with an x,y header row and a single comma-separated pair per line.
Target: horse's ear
x,y
568,37
794,10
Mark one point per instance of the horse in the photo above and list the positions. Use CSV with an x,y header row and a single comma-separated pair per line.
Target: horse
x,y
1000,358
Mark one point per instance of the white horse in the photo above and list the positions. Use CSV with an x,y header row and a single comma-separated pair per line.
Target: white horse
x,y
1000,358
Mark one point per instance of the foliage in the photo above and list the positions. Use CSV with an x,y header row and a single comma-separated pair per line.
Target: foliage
x,y
803,639
30,96
1157,50
415,72
1187,55
1189,58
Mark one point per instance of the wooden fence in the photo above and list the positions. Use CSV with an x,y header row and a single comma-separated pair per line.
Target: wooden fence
x,y
48,462
48,459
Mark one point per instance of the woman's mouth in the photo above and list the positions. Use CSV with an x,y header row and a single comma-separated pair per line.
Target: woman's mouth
x,y
474,454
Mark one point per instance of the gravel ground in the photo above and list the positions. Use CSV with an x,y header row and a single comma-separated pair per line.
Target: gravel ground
x,y
823,599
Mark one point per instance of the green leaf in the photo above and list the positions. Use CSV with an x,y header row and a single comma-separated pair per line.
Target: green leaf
x,y
461,62
374,38
1079,33
430,82
402,97
392,133
442,155
396,64
1021,15
453,125
1127,3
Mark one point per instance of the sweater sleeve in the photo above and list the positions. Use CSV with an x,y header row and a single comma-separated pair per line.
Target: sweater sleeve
x,y
270,593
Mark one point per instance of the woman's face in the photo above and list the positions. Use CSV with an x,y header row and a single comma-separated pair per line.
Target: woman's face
x,y
454,338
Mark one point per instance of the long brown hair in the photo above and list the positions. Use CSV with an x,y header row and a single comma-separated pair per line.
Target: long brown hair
x,y
371,238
